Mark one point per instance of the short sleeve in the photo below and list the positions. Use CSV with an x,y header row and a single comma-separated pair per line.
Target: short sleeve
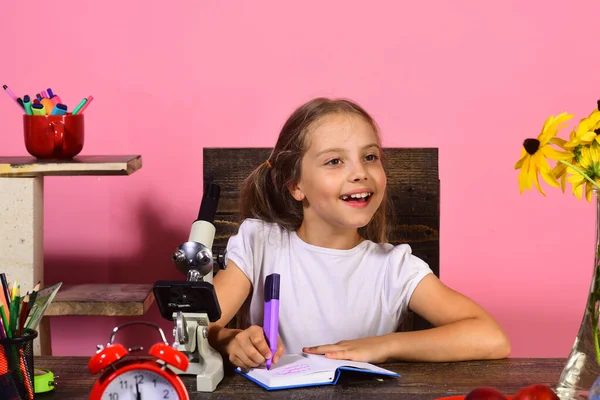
x,y
403,273
242,247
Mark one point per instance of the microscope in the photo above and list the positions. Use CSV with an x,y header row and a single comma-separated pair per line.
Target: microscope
x,y
193,303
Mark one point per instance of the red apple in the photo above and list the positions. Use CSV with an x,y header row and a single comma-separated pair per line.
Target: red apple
x,y
535,392
485,393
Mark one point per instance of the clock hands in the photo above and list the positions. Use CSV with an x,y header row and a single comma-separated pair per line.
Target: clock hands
x,y
138,395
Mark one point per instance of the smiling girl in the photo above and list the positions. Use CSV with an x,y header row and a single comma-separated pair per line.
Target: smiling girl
x,y
314,212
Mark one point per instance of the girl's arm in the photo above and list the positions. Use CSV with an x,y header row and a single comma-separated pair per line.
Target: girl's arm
x,y
463,331
247,348
232,288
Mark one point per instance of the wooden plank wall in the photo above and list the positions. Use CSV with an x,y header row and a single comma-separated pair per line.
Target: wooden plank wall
x,y
413,188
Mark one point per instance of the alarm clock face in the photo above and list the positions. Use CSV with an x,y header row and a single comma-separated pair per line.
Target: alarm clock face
x,y
139,384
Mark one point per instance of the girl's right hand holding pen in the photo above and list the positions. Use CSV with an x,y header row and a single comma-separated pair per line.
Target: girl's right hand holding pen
x,y
248,348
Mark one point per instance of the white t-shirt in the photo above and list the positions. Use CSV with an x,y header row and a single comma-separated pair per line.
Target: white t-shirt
x,y
326,295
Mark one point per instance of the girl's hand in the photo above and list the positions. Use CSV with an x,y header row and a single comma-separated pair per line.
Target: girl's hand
x,y
249,348
371,349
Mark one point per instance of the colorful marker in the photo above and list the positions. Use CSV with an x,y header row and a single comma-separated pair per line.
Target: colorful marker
x,y
44,94
59,109
271,314
10,92
12,95
48,105
55,99
38,96
27,104
50,93
20,101
38,109
81,104
87,103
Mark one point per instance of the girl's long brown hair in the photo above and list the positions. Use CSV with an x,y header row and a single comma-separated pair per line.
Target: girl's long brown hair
x,y
265,192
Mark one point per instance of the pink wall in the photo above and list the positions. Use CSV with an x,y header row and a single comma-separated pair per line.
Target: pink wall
x,y
471,78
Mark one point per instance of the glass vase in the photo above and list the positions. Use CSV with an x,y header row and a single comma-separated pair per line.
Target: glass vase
x,y
583,364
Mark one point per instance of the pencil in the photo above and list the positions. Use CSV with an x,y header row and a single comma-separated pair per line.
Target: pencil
x,y
5,322
14,316
33,296
14,290
4,301
23,314
4,283
2,329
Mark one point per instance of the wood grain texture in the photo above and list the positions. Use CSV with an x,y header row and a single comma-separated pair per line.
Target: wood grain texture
x,y
417,381
413,190
413,187
114,299
79,165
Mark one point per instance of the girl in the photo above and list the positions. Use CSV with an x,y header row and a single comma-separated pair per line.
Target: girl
x,y
315,213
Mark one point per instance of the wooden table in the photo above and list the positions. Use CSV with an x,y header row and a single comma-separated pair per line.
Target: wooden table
x,y
417,381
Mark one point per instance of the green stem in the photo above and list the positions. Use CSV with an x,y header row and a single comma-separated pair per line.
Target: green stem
x,y
595,312
581,172
596,341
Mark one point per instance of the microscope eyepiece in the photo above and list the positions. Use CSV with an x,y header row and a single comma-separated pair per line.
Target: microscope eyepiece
x,y
208,205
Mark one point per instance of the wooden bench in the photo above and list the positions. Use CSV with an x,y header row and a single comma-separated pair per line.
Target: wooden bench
x,y
413,187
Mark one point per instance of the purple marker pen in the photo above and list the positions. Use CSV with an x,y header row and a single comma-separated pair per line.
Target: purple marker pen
x,y
271,314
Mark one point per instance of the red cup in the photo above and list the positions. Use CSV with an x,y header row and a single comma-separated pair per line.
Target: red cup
x,y
53,136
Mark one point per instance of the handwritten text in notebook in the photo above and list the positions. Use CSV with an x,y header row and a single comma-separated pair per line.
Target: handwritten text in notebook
x,y
292,369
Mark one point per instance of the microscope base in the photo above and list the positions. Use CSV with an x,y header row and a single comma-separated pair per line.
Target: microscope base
x,y
208,381
208,376
205,362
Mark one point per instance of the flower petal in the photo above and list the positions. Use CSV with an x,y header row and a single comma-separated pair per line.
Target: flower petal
x,y
554,154
537,183
588,191
548,177
551,126
559,171
578,191
519,163
587,137
563,182
524,181
540,162
559,142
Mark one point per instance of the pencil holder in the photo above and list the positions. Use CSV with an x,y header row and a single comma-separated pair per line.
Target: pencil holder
x,y
53,136
16,367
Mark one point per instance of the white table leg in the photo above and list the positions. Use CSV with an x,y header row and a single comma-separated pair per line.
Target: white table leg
x,y
22,239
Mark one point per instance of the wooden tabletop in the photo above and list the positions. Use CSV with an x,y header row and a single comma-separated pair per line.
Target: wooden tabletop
x,y
79,165
108,299
417,380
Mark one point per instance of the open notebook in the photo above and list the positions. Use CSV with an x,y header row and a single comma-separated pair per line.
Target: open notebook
x,y
297,370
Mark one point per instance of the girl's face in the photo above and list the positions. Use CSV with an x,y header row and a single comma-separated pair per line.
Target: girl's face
x,y
342,180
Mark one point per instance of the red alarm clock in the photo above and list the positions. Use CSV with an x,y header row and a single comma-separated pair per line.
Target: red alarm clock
x,y
138,377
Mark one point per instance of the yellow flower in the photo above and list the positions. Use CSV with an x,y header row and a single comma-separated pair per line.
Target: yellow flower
x,y
588,130
535,152
590,165
560,169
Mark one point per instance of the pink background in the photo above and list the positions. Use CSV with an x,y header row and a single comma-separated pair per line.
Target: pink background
x,y
471,78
